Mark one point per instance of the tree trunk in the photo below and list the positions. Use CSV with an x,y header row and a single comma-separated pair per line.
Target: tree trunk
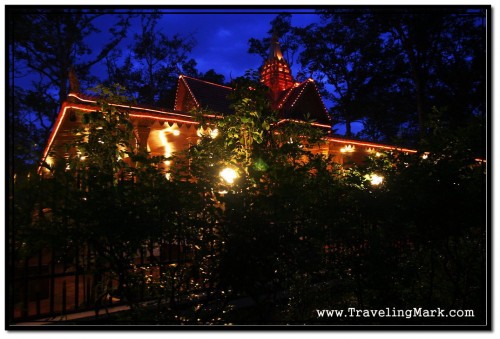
x,y
419,93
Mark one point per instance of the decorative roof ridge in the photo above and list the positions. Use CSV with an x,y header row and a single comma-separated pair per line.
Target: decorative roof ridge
x,y
310,80
85,97
207,82
291,89
132,106
366,143
298,90
183,79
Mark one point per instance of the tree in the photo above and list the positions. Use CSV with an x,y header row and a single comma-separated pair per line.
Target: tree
x,y
45,46
289,229
51,42
212,76
103,195
280,28
390,68
434,46
162,59
346,60
26,143
294,232
261,229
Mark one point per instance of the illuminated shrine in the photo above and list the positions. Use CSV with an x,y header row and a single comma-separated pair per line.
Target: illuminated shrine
x,y
163,131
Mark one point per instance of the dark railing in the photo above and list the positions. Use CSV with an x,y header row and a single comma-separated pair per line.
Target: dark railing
x,y
48,287
45,287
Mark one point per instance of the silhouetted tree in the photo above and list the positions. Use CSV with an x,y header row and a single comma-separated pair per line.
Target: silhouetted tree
x,y
155,62
281,28
342,51
45,46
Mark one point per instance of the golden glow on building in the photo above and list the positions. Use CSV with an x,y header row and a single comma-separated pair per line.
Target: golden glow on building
x,y
348,149
208,132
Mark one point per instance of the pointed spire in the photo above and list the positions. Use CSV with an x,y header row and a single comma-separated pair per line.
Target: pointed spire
x,y
275,73
275,49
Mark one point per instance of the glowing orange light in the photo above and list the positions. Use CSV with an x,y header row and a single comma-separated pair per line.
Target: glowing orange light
x,y
348,149
214,133
302,122
229,175
369,144
374,179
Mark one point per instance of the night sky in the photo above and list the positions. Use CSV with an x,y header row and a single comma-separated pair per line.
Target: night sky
x,y
221,36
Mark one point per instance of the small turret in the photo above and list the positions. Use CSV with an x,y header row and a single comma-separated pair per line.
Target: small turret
x,y
275,73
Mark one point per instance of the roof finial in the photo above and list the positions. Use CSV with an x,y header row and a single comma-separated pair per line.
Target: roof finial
x,y
275,50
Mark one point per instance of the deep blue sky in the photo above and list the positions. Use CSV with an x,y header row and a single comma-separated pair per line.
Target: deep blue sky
x,y
221,39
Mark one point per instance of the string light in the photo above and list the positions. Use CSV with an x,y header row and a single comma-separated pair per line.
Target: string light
x,y
369,144
300,93
302,122
288,94
190,92
176,107
125,106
